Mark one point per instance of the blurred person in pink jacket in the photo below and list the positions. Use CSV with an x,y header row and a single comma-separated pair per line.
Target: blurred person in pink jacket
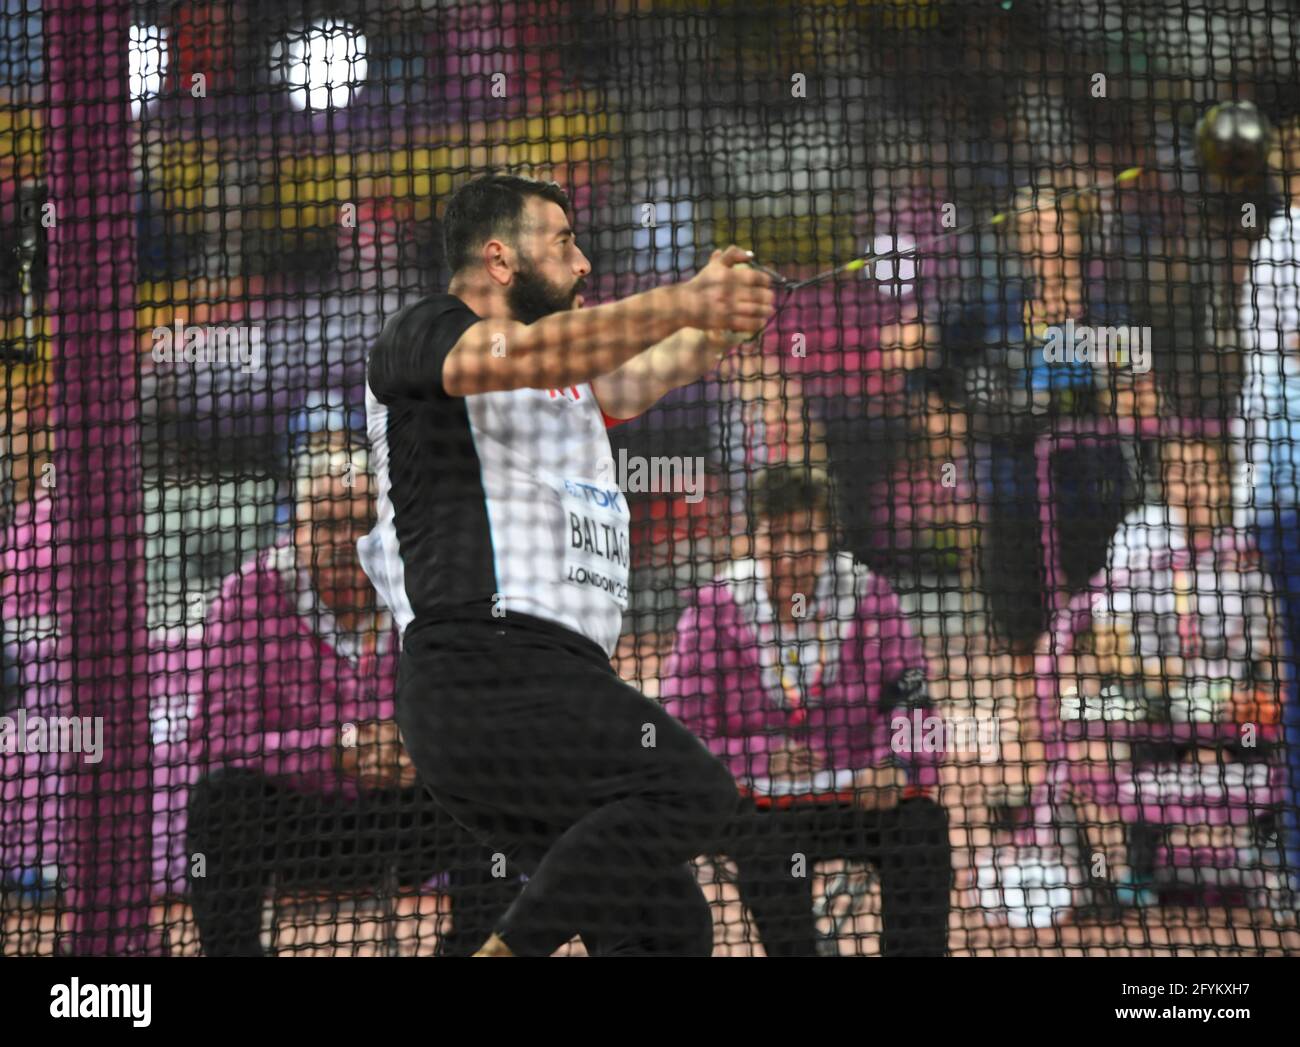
x,y
798,670
306,780
33,785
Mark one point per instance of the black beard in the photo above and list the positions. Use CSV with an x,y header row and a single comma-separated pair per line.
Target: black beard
x,y
530,297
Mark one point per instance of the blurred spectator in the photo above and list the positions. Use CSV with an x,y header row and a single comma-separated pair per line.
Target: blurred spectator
x,y
850,345
326,422
638,659
306,781
1188,607
998,344
868,417
999,341
25,431
924,513
33,785
1182,629
789,667
766,420
313,339
175,694
1270,332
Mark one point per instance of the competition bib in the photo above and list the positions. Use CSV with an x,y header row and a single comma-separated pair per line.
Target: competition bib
x,y
594,536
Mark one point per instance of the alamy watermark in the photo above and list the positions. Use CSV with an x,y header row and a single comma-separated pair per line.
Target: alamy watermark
x,y
184,343
131,1000
918,733
659,474
1072,343
23,733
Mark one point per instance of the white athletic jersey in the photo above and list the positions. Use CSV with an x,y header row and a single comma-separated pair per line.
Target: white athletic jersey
x,y
490,504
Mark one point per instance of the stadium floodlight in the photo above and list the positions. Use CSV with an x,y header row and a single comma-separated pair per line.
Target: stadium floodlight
x,y
146,64
322,64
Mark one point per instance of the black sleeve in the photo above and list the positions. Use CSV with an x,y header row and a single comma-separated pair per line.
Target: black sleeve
x,y
406,361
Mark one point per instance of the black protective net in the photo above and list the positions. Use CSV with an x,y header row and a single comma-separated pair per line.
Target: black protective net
x,y
953,612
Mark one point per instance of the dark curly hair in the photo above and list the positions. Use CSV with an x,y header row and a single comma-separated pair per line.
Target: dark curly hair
x,y
490,205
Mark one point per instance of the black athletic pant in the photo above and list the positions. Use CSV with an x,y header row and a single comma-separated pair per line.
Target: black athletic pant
x,y
907,844
525,733
251,829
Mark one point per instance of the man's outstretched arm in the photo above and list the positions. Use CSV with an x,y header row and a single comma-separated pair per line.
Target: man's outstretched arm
x,y
681,358
583,344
